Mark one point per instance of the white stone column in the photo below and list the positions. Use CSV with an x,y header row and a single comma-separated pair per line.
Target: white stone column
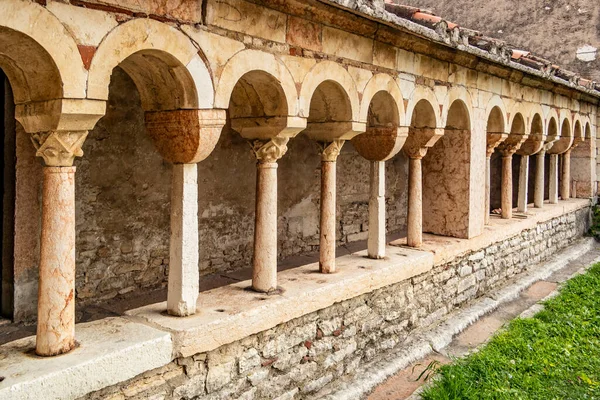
x,y
538,193
264,258
507,185
184,275
414,235
553,179
328,220
377,230
523,184
488,185
56,293
565,187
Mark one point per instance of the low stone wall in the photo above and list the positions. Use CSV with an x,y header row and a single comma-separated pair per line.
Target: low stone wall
x,y
301,356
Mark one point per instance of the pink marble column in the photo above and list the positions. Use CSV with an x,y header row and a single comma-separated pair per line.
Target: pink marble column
x,y
327,242
538,192
507,186
565,184
414,237
264,259
56,294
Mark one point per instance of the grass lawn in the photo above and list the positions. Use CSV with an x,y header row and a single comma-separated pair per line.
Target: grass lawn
x,y
554,355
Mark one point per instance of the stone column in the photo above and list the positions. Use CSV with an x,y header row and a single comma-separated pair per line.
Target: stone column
x,y
56,293
538,193
329,154
264,259
488,185
507,186
414,235
523,184
565,187
553,178
377,230
184,275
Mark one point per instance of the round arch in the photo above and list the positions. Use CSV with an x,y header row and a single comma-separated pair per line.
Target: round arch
x,y
38,54
164,63
382,83
418,99
496,105
253,60
462,95
328,71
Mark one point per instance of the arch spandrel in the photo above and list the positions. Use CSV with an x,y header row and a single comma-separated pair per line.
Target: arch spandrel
x,y
323,72
162,61
253,60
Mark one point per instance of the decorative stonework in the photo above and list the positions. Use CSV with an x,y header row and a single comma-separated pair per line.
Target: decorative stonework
x,y
185,136
414,151
330,150
269,151
59,148
493,141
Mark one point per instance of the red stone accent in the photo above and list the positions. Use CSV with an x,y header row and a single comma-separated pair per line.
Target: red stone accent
x,y
87,53
337,332
319,333
268,362
308,344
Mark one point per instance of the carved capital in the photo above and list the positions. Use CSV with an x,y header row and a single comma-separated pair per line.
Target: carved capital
x,y
269,151
330,150
59,148
414,151
508,149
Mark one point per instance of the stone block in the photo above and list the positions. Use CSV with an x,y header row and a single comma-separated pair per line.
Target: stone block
x,y
347,45
251,19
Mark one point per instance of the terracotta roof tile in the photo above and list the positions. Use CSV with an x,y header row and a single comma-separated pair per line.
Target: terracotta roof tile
x,y
496,47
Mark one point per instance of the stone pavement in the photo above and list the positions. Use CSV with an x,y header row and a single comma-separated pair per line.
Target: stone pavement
x,y
403,385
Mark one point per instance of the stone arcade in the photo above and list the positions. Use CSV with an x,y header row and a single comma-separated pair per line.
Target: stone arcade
x,y
468,161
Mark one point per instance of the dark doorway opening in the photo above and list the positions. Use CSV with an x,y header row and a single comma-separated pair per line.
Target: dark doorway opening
x,y
7,200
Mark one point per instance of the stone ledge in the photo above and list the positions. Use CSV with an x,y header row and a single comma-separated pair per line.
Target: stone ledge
x,y
446,249
231,313
110,351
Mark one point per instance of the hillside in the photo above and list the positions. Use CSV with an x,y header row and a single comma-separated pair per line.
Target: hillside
x,y
554,29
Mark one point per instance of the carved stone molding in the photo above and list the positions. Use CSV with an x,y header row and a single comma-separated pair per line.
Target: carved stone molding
x,y
330,150
269,151
59,148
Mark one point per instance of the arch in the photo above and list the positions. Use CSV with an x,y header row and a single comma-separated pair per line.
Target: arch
x,y
162,61
551,126
258,106
38,54
377,84
328,71
578,132
588,130
517,124
254,60
458,94
566,123
458,116
516,119
499,119
424,104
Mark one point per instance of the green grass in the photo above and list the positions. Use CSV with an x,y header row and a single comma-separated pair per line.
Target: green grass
x,y
554,355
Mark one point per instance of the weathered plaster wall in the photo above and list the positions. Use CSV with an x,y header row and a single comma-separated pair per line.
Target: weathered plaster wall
x,y
298,358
